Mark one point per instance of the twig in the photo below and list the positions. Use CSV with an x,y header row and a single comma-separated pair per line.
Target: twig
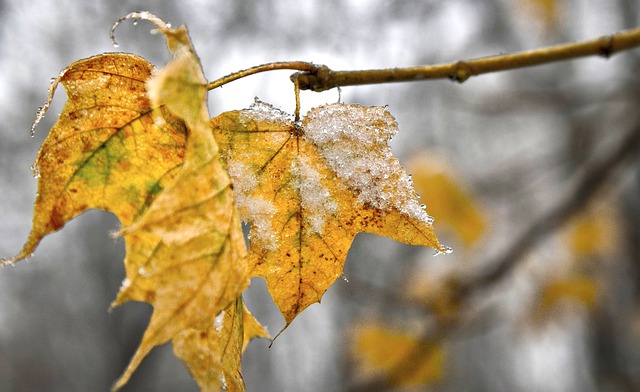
x,y
290,65
322,78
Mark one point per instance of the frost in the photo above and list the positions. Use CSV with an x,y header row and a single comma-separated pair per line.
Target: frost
x,y
243,177
261,212
218,321
144,272
261,111
256,209
354,141
315,198
35,168
223,382
445,251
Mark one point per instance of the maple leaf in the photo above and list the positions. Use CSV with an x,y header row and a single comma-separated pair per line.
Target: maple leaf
x,y
212,354
188,249
308,189
106,151
114,149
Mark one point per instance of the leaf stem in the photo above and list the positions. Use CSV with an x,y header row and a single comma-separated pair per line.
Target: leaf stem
x,y
280,65
323,78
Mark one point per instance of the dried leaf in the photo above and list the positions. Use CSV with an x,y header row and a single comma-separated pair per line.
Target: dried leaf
x,y
212,354
403,359
252,329
186,253
308,189
106,150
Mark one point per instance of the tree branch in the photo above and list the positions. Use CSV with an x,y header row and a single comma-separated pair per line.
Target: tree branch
x,y
322,78
583,187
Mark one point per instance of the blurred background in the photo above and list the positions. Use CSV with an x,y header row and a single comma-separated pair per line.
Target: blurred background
x,y
532,177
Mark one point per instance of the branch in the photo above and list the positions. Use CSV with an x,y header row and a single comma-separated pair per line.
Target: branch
x,y
322,78
583,187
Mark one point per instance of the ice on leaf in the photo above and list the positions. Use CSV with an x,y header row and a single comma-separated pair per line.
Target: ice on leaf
x,y
325,180
355,145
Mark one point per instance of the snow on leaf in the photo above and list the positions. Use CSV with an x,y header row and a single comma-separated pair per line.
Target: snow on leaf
x,y
307,189
106,150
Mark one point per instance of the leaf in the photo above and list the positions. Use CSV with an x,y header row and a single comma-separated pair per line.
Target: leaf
x,y
545,11
112,149
252,329
212,355
571,292
451,206
582,289
186,254
106,151
438,291
593,232
308,189
404,360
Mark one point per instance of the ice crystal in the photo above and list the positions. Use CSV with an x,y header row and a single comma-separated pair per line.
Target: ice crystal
x,y
261,111
315,198
354,141
255,208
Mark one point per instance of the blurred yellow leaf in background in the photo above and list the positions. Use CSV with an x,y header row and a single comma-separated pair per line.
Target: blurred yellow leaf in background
x,y
403,359
452,207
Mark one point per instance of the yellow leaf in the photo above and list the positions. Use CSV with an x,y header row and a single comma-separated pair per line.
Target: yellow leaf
x,y
252,329
449,204
584,290
211,354
404,360
439,292
186,254
546,11
106,150
112,149
593,231
308,189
